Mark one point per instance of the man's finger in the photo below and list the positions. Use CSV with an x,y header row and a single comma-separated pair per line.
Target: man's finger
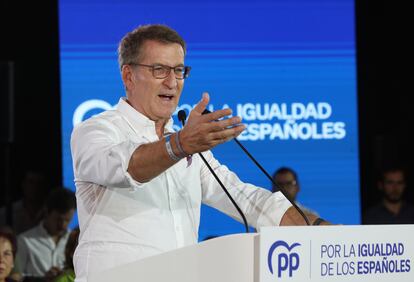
x,y
229,133
201,106
216,115
223,124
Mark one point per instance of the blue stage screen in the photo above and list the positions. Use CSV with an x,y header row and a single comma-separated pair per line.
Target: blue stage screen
x,y
287,67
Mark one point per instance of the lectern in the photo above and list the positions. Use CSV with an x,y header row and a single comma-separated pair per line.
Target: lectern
x,y
308,253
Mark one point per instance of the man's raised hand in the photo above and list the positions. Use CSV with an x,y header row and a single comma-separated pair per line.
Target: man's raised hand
x,y
203,132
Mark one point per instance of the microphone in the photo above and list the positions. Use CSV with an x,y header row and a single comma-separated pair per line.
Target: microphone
x,y
282,189
182,116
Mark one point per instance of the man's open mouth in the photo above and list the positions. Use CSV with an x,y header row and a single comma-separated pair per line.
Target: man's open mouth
x,y
166,96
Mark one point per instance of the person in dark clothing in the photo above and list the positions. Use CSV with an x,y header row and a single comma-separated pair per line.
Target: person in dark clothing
x,y
392,209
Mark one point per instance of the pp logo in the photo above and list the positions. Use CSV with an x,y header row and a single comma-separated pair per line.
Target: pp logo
x,y
286,259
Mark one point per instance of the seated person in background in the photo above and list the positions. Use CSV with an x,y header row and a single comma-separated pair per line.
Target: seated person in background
x,y
8,248
41,250
287,178
27,212
392,209
68,274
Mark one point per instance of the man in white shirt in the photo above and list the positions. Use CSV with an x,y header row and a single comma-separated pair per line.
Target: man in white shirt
x,y
139,184
41,250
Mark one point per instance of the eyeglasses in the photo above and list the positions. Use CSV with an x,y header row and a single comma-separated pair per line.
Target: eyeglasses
x,y
162,71
287,184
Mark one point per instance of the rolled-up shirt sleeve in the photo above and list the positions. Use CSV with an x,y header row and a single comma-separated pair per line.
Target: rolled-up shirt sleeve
x,y
101,155
260,206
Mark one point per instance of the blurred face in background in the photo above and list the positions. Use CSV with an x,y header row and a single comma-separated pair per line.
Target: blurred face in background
x,y
6,258
33,185
393,186
288,182
57,223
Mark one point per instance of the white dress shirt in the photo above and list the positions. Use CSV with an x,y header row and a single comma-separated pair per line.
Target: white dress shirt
x,y
122,220
37,253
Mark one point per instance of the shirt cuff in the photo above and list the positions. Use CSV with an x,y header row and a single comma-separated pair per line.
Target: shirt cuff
x,y
133,184
273,210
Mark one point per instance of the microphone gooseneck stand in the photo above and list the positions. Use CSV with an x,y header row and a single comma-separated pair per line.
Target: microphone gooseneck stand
x,y
282,189
182,116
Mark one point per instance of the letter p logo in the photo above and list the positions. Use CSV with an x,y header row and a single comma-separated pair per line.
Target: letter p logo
x,y
286,261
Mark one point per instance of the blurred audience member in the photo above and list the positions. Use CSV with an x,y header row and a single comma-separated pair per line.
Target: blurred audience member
x,y
68,274
41,250
8,249
287,178
392,209
28,212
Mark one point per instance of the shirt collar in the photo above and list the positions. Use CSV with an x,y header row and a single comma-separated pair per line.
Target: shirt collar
x,y
137,119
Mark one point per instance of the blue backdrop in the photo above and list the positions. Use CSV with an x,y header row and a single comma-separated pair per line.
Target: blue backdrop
x,y
286,66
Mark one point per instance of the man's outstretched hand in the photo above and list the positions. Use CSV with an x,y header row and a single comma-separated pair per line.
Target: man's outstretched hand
x,y
203,132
